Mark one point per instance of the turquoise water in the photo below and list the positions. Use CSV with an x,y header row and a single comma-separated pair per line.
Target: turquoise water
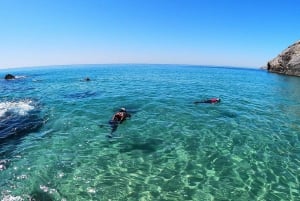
x,y
244,148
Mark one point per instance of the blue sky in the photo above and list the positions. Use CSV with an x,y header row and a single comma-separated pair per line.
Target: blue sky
x,y
244,33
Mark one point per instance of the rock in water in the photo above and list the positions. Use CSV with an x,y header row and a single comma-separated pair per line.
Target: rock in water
x,y
288,62
9,77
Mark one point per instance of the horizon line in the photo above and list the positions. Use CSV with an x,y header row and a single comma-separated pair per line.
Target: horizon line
x,y
89,64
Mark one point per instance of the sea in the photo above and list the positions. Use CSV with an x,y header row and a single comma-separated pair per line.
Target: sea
x,y
55,143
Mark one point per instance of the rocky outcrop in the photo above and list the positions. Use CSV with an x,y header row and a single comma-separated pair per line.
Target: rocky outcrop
x,y
288,62
9,77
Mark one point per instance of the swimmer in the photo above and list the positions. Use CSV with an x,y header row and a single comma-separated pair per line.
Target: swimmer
x,y
117,119
211,100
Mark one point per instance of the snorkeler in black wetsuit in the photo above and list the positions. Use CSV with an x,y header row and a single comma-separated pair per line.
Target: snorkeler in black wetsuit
x,y
117,119
211,100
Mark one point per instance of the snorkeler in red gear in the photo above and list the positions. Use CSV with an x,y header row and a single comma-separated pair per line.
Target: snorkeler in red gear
x,y
211,100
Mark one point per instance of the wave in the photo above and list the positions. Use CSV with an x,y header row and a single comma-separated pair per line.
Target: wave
x,y
20,76
20,108
19,118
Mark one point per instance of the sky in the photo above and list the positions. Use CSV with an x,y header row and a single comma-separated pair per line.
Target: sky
x,y
242,33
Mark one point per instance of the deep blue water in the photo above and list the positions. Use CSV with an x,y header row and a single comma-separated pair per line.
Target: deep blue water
x,y
53,128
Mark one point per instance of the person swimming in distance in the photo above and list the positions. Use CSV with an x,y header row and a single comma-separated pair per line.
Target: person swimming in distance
x,y
117,119
211,100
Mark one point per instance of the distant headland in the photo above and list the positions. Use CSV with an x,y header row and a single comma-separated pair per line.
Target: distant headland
x,y
288,62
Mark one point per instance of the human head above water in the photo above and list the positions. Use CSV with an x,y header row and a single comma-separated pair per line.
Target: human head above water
x,y
122,109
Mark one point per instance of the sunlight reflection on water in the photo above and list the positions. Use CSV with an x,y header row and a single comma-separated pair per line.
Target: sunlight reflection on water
x,y
244,148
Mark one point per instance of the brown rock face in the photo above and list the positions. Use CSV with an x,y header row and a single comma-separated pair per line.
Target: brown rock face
x,y
288,62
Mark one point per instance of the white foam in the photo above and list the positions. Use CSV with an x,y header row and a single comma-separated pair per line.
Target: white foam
x,y
20,76
20,108
12,198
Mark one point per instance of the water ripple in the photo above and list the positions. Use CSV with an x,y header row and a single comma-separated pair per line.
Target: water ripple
x,y
245,148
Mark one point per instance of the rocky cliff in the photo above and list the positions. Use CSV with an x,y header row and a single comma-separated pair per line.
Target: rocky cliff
x,y
288,62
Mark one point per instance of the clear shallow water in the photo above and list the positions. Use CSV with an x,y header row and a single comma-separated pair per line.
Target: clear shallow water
x,y
245,148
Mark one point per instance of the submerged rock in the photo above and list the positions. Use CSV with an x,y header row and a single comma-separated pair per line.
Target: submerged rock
x,y
9,77
288,62
80,95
